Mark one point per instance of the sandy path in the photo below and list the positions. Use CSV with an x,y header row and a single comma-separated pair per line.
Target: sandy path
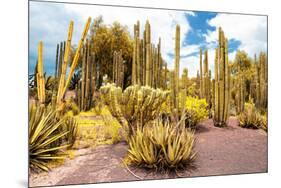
x,y
221,151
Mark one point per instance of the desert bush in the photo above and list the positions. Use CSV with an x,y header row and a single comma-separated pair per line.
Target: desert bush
x,y
252,118
68,107
196,110
161,146
193,108
136,105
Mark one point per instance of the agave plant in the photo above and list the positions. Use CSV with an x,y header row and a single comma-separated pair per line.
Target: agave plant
x,y
162,146
45,137
70,126
252,118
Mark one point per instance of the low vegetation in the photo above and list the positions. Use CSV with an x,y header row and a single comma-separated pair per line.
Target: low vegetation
x,y
161,145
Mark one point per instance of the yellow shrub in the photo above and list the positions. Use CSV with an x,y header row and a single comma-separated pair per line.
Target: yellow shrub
x,y
196,110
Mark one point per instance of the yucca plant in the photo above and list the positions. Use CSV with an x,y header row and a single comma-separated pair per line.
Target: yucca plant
x,y
162,146
45,137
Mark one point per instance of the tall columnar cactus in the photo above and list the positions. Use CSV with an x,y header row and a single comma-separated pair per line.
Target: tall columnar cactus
x,y
118,69
177,65
262,81
240,84
136,55
165,80
159,65
222,80
40,75
148,54
59,61
184,79
86,86
147,60
201,76
64,63
206,79
76,56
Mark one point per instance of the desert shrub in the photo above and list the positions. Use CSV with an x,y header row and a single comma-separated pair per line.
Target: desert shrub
x,y
162,145
252,118
196,110
111,129
69,107
136,105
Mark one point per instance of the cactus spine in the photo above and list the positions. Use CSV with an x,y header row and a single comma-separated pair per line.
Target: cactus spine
x,y
222,80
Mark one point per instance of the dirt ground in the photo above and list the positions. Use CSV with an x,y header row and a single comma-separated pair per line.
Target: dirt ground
x,y
220,151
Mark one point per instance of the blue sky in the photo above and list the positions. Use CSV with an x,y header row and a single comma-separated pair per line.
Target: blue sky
x,y
49,23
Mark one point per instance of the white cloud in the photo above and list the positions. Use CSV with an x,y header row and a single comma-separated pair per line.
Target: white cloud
x,y
163,23
250,30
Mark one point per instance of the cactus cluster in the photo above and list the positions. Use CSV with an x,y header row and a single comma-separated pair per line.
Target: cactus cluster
x,y
261,81
59,58
86,85
205,79
63,81
118,69
222,81
147,63
137,105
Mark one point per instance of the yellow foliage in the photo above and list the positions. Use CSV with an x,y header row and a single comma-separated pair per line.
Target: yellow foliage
x,y
196,110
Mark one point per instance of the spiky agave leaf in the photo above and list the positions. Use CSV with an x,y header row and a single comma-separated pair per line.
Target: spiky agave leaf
x,y
44,137
161,146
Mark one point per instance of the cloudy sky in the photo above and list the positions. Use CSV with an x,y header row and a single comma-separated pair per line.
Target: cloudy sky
x,y
49,22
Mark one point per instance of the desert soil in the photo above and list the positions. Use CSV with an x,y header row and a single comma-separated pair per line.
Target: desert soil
x,y
220,151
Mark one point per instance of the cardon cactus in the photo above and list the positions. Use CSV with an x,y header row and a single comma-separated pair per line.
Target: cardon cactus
x,y
146,59
222,81
118,68
40,75
86,85
135,106
262,81
76,57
